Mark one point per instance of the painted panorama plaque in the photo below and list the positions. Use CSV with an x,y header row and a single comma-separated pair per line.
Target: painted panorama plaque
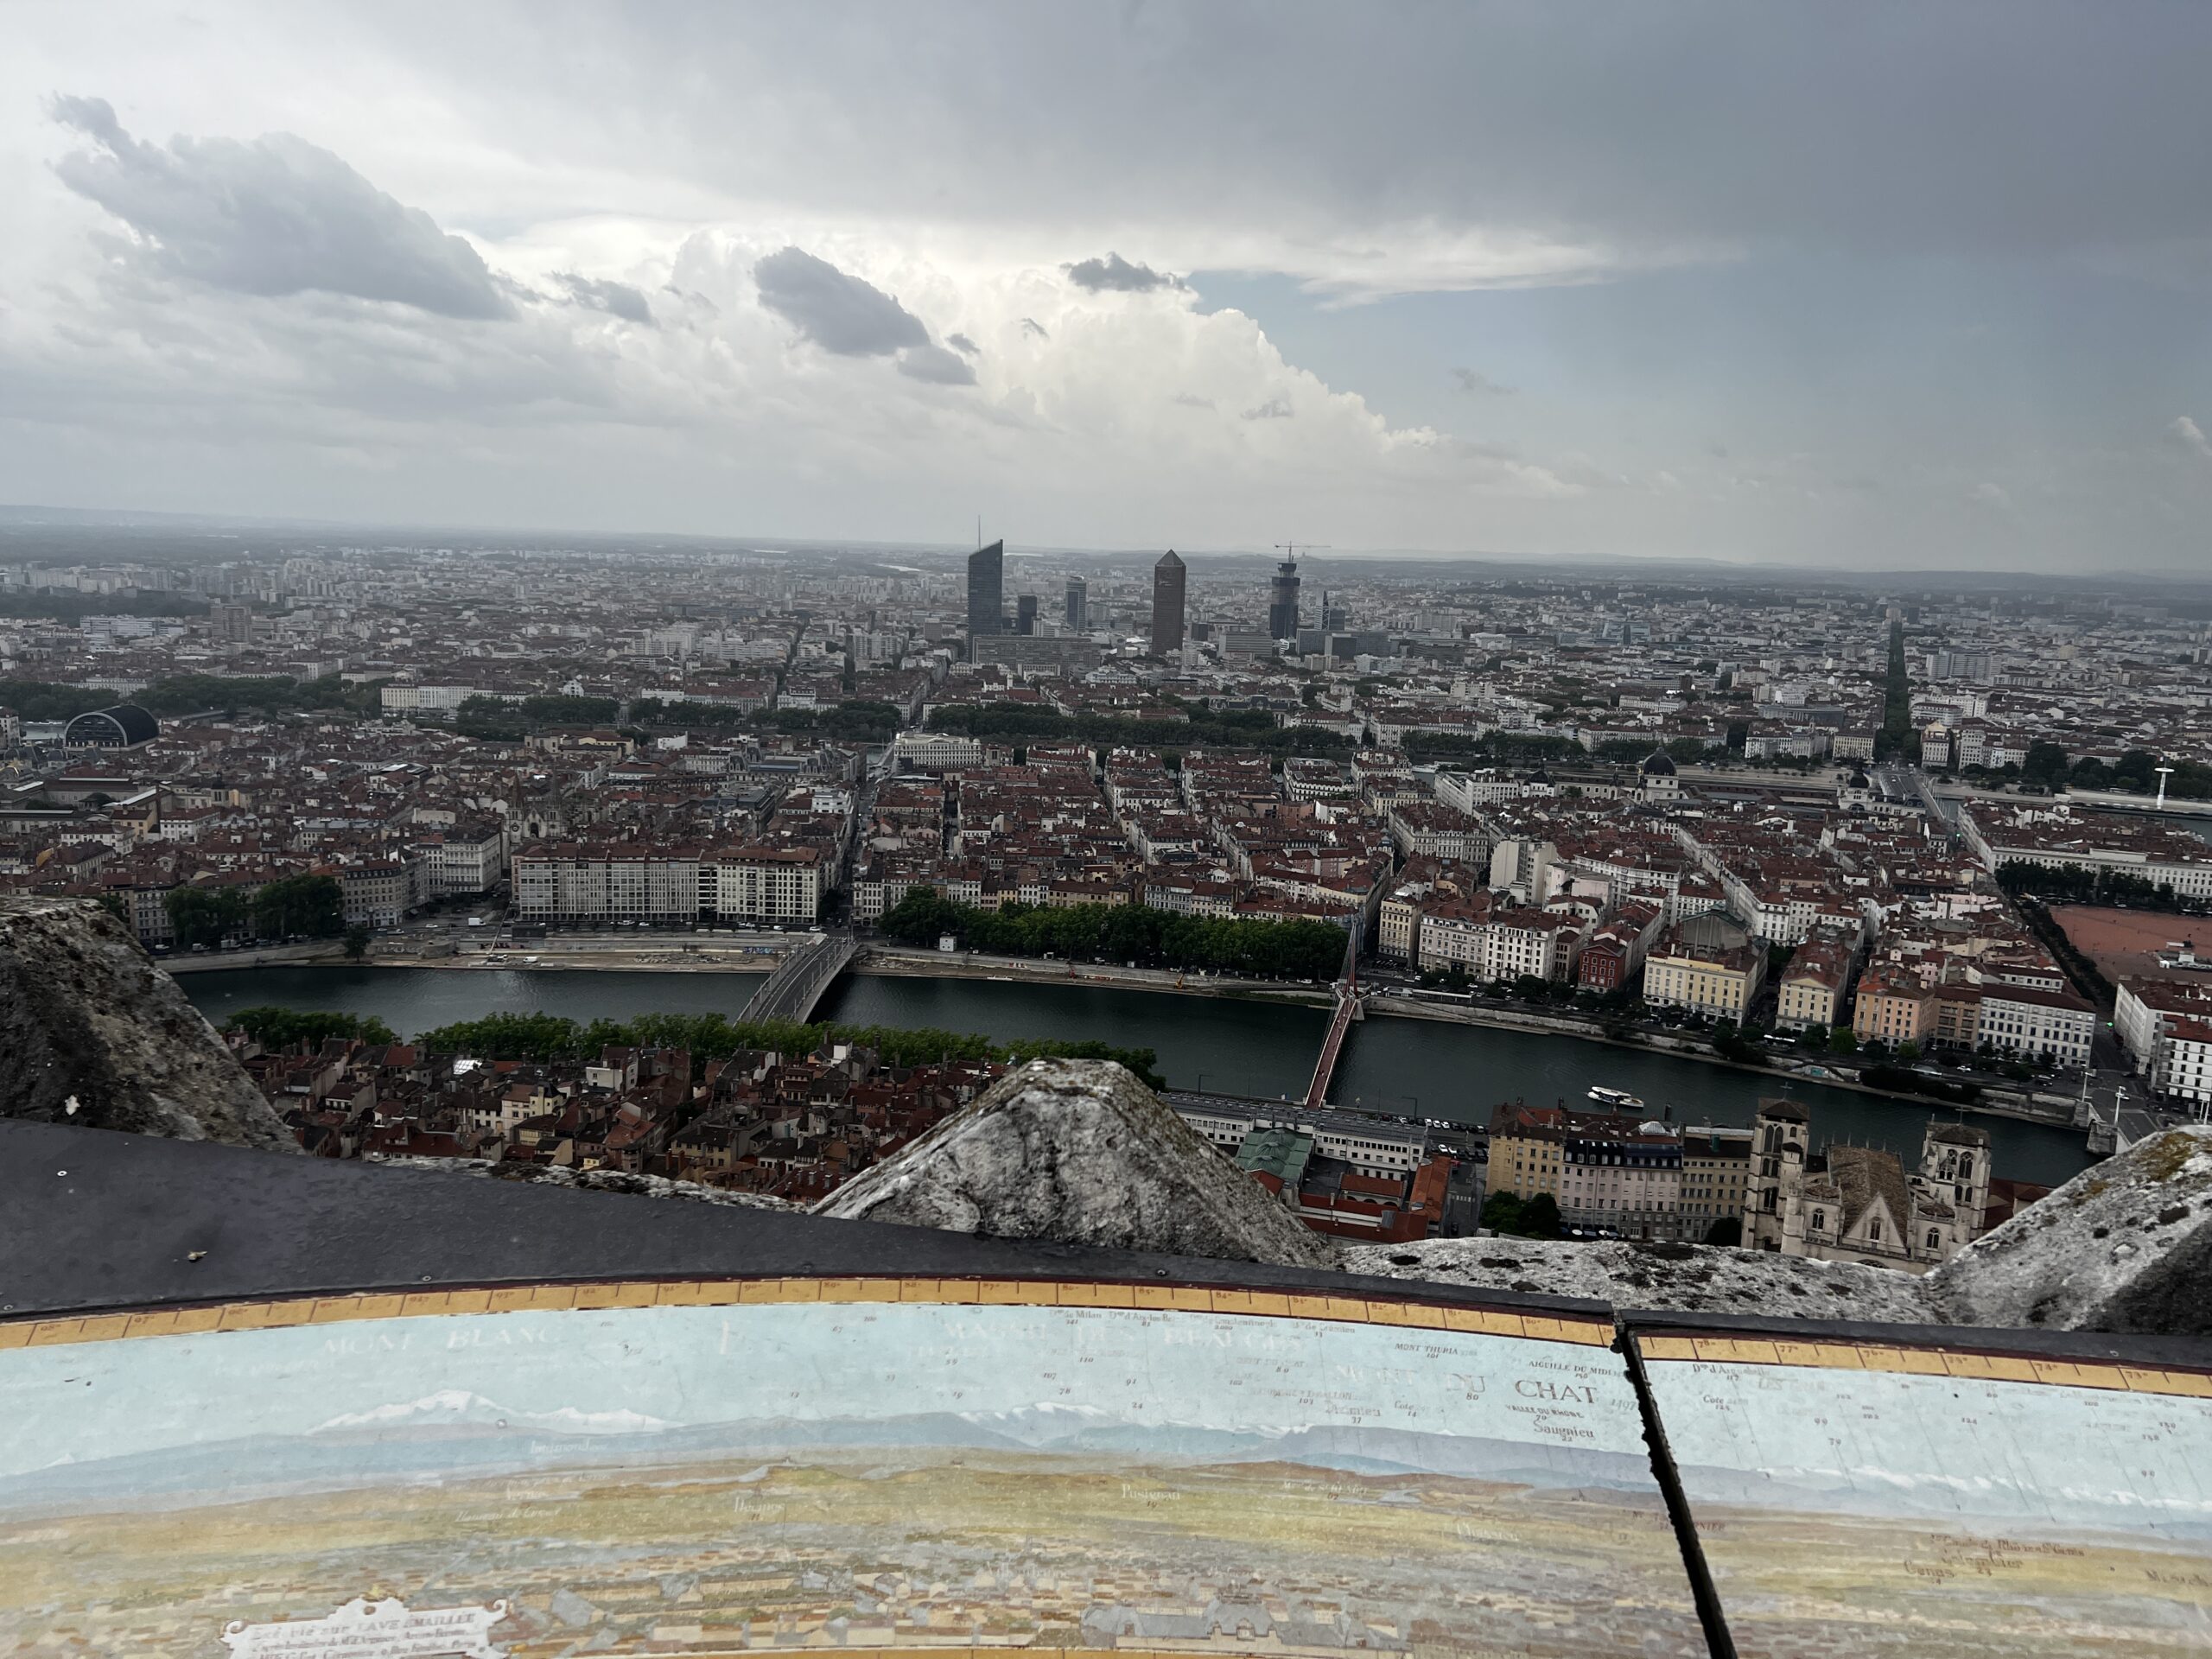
x,y
885,1466
1857,1499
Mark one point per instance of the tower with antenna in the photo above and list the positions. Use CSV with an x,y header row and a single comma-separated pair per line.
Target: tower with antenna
x,y
2164,772
1282,593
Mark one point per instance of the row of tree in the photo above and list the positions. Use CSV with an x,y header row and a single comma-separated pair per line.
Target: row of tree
x,y
2047,766
192,694
494,720
49,604
311,905
281,1028
853,721
551,1039
1630,750
2100,886
1493,748
1241,728
1896,737
1127,934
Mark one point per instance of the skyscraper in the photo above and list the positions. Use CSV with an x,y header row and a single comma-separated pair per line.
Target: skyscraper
x,y
1282,608
987,590
1078,603
1168,604
1025,613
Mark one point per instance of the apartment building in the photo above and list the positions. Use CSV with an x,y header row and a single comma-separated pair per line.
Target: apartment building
x,y
1894,1004
1811,989
2166,1027
1716,1165
1719,980
402,698
2057,837
1613,955
1489,943
2054,1025
1372,1146
1607,1174
381,890
462,859
936,751
1434,830
763,884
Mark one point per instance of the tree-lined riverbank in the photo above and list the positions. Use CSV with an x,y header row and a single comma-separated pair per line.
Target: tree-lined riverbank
x,y
1409,1068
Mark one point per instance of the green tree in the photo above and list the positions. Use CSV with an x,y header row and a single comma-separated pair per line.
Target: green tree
x,y
1896,736
1843,1041
2045,765
551,1039
1247,729
2136,769
204,915
1129,933
281,1028
313,905
1501,1213
357,941
42,700
1535,1217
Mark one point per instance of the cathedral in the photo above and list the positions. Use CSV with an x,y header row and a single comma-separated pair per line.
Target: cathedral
x,y
1859,1204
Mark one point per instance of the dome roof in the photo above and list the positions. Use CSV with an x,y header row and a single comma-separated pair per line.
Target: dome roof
x,y
1659,764
124,725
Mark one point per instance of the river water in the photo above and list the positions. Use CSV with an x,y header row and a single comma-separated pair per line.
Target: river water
x,y
1409,1068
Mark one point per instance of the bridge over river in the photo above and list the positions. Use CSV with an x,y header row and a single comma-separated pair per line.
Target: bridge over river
x,y
1348,1009
793,991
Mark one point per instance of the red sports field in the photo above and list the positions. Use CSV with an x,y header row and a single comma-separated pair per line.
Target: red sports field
x,y
2128,941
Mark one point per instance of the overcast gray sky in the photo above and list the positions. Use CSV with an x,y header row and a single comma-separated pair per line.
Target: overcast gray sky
x,y
1858,285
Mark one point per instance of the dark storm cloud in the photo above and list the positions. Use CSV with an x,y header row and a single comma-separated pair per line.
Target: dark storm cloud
x,y
937,365
1475,380
839,313
273,217
2008,124
961,343
1117,275
616,299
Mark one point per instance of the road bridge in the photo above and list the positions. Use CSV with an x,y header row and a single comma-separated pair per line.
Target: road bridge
x,y
793,991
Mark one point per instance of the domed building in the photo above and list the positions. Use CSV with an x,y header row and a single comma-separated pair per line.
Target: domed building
x,y
125,726
1660,782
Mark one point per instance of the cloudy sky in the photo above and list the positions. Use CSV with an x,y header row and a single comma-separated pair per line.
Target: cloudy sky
x,y
1863,286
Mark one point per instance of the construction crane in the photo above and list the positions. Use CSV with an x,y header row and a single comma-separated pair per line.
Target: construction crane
x,y
1289,549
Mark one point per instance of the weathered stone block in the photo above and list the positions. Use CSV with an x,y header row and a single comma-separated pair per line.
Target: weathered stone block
x,y
2125,1246
1080,1151
93,1033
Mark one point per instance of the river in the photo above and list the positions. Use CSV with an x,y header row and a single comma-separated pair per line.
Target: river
x,y
1409,1068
